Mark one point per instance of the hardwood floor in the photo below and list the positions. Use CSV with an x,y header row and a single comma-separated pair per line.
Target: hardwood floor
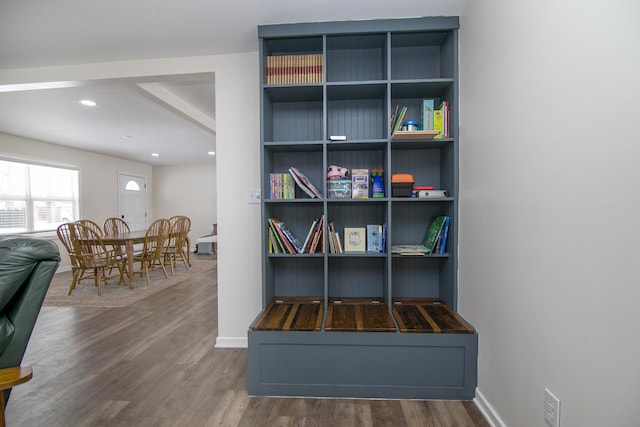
x,y
153,364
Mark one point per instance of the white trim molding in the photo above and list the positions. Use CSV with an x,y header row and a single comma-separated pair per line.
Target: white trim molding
x,y
488,410
232,342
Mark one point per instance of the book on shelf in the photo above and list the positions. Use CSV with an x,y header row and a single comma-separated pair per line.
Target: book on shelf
x,y
409,250
317,237
292,69
282,241
355,239
281,186
335,246
427,114
374,237
384,238
304,183
307,241
274,245
442,242
397,117
434,241
441,120
433,232
286,237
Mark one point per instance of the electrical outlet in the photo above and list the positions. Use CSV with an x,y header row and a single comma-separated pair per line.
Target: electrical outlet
x,y
551,409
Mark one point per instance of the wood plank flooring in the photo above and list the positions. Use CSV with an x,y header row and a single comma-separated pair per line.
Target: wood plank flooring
x,y
154,364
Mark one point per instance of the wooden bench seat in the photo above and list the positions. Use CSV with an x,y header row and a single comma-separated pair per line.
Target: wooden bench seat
x,y
413,315
291,314
428,315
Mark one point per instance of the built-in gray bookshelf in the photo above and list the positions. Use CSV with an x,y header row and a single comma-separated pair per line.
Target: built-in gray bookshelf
x,y
360,324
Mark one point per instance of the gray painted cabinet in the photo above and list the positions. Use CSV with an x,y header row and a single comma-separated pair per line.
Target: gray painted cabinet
x,y
360,71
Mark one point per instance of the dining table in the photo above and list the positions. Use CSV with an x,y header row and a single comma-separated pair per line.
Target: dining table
x,y
128,240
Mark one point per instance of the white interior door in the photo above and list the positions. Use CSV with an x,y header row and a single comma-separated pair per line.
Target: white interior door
x,y
132,200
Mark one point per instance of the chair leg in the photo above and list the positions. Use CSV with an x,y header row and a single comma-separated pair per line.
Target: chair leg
x,y
74,281
184,260
99,273
164,270
171,260
146,272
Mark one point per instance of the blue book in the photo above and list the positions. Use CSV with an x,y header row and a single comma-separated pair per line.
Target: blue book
x,y
427,114
374,238
445,231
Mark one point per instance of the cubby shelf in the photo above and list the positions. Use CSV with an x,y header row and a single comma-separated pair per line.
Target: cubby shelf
x,y
361,324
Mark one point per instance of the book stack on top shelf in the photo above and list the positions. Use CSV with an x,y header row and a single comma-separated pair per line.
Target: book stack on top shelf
x,y
292,69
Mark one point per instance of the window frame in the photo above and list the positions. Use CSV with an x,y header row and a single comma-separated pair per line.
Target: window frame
x,y
30,199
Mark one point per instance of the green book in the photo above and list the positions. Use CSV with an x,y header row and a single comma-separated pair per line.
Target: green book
x,y
433,232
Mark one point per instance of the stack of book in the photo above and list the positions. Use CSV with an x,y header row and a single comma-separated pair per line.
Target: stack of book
x,y
281,186
292,69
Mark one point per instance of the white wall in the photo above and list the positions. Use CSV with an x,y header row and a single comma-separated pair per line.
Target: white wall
x,y
549,253
98,176
187,190
237,156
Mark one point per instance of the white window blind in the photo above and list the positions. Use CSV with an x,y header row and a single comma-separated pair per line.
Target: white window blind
x,y
35,197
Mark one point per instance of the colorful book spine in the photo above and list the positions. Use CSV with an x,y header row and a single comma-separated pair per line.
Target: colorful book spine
x,y
427,114
293,69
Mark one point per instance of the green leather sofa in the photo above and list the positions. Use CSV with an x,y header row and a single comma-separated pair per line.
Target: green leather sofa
x,y
27,265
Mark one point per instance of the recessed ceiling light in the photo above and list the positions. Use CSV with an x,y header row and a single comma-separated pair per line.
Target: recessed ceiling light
x,y
88,102
211,153
155,154
127,136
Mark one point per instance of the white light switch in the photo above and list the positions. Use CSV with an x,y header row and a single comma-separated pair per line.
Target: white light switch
x,y
253,196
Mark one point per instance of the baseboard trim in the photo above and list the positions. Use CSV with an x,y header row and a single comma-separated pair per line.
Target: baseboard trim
x,y
488,410
232,342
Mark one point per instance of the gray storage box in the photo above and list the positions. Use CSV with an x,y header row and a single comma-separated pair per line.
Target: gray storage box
x,y
205,248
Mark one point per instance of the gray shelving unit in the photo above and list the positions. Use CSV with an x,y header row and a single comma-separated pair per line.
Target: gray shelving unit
x,y
368,68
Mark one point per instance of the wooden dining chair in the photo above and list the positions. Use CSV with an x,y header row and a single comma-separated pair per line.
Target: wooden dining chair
x,y
89,253
92,225
115,225
151,255
66,234
176,243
